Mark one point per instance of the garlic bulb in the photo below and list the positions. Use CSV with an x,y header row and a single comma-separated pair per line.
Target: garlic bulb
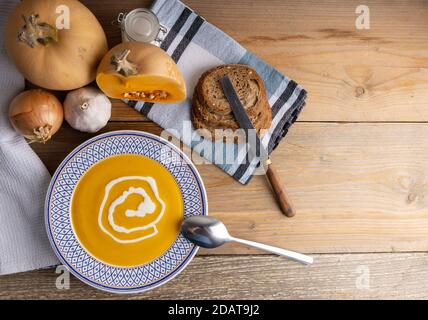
x,y
87,109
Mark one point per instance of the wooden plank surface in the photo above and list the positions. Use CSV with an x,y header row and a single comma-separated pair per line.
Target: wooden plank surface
x,y
354,165
378,74
356,187
346,276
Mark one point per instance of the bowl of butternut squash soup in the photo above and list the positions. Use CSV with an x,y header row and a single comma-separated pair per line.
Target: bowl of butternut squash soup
x,y
114,210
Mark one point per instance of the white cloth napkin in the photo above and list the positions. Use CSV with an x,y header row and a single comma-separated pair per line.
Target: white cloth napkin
x,y
23,181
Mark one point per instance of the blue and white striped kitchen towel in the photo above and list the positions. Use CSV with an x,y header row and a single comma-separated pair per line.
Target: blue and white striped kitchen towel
x,y
197,46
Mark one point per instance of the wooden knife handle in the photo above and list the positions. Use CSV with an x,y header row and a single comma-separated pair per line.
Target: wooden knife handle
x,y
281,196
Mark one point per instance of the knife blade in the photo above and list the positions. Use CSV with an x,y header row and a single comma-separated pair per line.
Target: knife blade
x,y
256,147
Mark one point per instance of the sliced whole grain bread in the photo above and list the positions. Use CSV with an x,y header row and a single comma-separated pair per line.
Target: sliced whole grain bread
x,y
211,110
253,106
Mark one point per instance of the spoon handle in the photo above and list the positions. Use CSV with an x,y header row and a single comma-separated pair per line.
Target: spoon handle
x,y
282,252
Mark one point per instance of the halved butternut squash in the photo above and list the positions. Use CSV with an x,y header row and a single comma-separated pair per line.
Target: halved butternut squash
x,y
139,71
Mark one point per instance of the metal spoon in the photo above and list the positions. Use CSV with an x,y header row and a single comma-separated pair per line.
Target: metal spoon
x,y
209,232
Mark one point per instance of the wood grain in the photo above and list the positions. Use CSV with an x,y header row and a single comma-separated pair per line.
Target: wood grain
x,y
107,11
380,74
346,276
357,187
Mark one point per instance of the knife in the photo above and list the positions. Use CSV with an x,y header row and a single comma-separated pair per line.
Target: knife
x,y
256,146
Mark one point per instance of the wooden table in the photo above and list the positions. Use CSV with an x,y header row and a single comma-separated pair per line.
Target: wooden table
x,y
355,164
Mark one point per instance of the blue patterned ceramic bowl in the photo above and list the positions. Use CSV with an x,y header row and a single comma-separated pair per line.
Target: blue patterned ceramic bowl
x,y
57,212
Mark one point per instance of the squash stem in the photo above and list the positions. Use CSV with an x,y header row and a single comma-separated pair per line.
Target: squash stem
x,y
123,66
34,33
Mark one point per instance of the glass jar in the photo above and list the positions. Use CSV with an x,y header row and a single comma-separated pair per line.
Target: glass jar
x,y
141,25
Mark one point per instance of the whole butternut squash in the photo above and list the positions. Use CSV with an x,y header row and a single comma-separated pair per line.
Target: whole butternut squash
x,y
139,71
55,44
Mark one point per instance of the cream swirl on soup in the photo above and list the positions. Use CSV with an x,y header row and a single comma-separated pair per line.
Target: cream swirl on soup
x,y
146,207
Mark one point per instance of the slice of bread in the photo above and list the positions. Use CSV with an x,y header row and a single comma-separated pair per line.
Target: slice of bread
x,y
211,110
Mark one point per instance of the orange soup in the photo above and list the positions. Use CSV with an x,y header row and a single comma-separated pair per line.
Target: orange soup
x,y
127,210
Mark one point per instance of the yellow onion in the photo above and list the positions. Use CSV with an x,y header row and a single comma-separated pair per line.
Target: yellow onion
x,y
36,114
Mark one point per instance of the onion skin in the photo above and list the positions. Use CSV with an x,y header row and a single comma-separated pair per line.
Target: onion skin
x,y
36,114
